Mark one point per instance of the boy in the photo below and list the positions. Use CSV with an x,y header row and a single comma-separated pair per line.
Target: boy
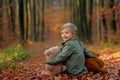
x,y
72,54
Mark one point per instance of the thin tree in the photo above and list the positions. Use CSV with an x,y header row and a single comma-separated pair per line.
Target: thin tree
x,y
104,23
1,28
71,10
21,21
25,2
42,20
34,18
89,26
83,20
17,20
11,17
112,21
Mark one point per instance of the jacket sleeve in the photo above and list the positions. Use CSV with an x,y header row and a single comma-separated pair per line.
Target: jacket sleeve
x,y
86,52
63,55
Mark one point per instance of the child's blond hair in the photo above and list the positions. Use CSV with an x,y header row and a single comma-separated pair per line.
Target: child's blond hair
x,y
71,26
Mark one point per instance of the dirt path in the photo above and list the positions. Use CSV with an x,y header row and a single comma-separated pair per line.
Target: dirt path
x,y
54,19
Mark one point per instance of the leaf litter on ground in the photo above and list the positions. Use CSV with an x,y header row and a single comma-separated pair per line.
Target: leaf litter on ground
x,y
31,69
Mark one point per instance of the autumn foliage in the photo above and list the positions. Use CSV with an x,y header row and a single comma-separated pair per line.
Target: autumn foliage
x,y
31,69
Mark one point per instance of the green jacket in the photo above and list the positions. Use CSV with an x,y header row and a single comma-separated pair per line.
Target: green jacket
x,y
72,56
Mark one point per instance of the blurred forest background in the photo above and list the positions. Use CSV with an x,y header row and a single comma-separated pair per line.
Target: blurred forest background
x,y
24,21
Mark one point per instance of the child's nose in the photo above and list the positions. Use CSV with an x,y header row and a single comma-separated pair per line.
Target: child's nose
x,y
63,35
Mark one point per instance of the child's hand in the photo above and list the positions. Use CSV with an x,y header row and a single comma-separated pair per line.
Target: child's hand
x,y
47,61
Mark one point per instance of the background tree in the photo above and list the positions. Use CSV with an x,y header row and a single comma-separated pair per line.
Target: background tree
x,y
1,27
21,21
112,21
24,20
90,14
42,20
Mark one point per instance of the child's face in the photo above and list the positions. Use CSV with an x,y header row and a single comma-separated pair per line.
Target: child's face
x,y
66,34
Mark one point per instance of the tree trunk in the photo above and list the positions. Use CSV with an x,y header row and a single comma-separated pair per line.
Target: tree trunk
x,y
1,26
17,38
104,23
11,22
89,26
32,20
112,20
83,21
42,19
34,28
71,11
21,21
28,35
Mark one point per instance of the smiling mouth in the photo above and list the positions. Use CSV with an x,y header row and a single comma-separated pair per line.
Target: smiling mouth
x,y
65,38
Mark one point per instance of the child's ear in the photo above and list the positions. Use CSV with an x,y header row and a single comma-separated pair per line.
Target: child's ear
x,y
74,33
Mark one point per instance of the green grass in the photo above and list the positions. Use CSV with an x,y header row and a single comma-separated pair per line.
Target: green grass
x,y
9,56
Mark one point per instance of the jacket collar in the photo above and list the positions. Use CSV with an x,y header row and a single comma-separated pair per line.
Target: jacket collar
x,y
73,38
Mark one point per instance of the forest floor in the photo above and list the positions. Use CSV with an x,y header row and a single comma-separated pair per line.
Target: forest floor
x,y
31,68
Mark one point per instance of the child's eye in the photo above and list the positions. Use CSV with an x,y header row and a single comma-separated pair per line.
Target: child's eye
x,y
66,32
